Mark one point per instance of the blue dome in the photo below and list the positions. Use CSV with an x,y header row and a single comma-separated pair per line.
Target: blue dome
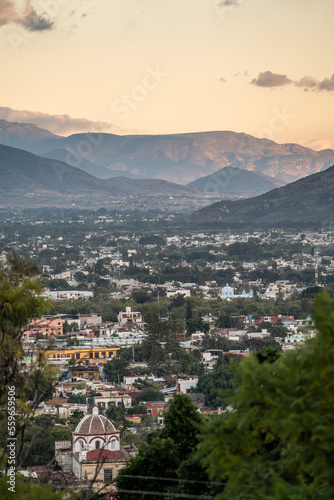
x,y
227,289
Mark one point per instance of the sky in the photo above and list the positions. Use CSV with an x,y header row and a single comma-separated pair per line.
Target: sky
x,y
263,67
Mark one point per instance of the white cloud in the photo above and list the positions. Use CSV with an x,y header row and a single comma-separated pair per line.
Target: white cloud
x,y
60,124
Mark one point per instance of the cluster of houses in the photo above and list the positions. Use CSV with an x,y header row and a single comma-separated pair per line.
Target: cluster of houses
x,y
95,452
95,455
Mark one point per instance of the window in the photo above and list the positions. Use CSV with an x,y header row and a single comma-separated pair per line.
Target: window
x,y
108,476
113,444
77,356
97,444
96,354
90,354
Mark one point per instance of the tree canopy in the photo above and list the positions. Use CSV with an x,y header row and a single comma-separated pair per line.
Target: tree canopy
x,y
278,443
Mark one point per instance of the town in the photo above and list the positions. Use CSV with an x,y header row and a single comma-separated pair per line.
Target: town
x,y
136,317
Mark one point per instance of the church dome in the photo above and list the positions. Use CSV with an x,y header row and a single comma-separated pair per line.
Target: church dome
x,y
95,424
94,432
227,289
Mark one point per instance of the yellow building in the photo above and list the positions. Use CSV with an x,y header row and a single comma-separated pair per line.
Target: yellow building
x,y
87,372
88,355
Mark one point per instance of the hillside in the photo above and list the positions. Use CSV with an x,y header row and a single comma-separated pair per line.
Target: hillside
x,y
24,135
236,180
308,202
25,174
180,158
76,161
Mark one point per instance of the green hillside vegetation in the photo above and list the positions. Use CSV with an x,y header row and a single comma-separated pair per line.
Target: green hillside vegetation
x,y
308,202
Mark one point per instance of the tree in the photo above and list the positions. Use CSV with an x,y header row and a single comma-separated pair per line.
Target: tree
x,y
152,348
137,409
217,386
20,301
116,414
149,394
77,398
115,369
29,491
189,310
75,418
177,301
279,441
154,469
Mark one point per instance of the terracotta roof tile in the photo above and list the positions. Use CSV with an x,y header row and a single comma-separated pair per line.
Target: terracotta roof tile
x,y
105,455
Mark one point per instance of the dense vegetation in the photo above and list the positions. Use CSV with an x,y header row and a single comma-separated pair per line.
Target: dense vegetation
x,y
276,443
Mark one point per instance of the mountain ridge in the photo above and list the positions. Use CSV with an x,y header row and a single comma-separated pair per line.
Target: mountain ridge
x,y
22,172
308,201
183,158
236,180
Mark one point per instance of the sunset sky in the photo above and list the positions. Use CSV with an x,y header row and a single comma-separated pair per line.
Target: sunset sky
x,y
264,67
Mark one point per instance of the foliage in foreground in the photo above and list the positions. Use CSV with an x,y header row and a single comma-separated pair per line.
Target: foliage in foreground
x,y
167,463
21,301
279,443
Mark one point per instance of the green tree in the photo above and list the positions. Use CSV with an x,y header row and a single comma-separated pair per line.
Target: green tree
x,y
116,414
21,301
39,440
152,348
149,394
30,491
155,467
279,442
115,369
217,386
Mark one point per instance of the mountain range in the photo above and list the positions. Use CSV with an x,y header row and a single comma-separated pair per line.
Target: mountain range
x,y
236,180
99,166
23,173
308,202
178,158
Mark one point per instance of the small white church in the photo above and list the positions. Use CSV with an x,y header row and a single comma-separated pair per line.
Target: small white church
x,y
95,454
227,293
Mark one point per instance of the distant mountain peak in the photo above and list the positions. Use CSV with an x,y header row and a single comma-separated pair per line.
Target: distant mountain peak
x,y
24,130
179,158
305,203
